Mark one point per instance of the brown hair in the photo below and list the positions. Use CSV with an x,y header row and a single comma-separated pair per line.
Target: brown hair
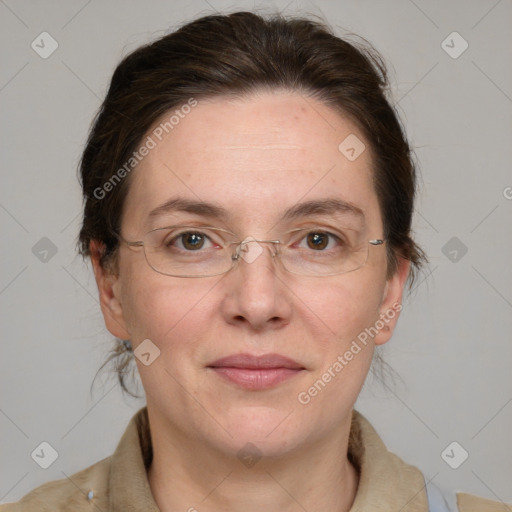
x,y
237,54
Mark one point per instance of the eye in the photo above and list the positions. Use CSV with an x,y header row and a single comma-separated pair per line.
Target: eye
x,y
319,241
188,241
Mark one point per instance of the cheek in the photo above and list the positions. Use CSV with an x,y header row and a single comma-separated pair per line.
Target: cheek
x,y
336,315
166,310
339,310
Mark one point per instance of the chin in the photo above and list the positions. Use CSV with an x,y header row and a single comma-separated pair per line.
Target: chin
x,y
268,429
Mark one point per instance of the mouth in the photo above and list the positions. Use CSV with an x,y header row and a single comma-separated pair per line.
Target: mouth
x,y
256,372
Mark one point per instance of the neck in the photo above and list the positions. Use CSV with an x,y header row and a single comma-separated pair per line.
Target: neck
x,y
187,475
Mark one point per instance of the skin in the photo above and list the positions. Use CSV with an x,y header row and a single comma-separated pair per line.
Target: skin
x,y
255,157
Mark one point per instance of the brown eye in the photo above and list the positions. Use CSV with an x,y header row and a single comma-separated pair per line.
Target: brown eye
x,y
192,241
317,241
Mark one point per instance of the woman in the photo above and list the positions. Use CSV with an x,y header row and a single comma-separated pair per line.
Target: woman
x,y
248,200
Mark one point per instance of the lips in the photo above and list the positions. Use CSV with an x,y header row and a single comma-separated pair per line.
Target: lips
x,y
256,372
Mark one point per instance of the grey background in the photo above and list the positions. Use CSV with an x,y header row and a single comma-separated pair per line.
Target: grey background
x,y
453,345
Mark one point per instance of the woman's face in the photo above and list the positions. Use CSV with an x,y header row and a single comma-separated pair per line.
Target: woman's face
x,y
256,159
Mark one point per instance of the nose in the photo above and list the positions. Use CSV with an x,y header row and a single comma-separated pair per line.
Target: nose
x,y
256,296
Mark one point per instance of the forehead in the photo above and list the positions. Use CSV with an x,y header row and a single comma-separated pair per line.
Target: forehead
x,y
255,157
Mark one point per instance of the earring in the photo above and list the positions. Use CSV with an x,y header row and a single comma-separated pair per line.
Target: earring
x,y
127,345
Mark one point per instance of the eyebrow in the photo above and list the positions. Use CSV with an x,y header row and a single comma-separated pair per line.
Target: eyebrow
x,y
326,206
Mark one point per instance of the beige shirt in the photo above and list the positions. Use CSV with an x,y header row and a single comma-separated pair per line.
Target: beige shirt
x,y
119,483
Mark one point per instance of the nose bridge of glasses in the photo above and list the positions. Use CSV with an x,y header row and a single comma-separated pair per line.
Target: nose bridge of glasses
x,y
249,249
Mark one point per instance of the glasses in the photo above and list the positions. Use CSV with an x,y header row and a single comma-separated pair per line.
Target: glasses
x,y
192,251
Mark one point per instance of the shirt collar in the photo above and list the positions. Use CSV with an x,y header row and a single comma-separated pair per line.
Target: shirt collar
x,y
385,481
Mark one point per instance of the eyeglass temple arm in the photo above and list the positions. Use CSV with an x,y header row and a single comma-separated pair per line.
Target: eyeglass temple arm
x,y
137,243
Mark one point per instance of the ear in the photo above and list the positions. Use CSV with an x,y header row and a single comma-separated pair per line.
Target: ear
x,y
391,304
108,288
